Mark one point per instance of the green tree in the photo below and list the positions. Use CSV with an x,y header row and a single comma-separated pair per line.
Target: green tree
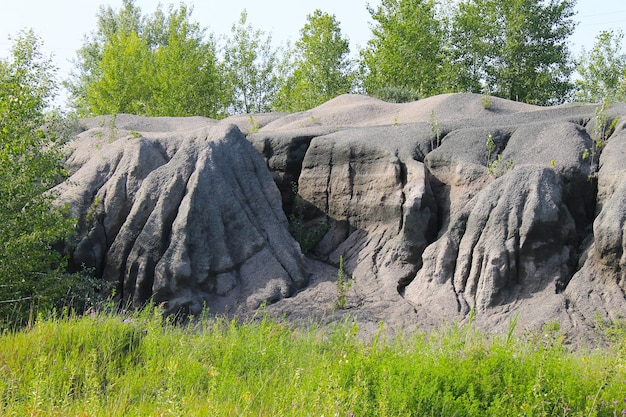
x,y
31,162
322,67
159,65
123,84
110,26
185,75
517,49
251,69
472,31
405,49
602,71
536,63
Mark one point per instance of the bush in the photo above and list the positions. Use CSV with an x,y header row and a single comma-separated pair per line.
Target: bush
x,y
31,163
396,94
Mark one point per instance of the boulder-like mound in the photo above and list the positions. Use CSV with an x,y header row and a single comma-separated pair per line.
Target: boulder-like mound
x,y
439,209
191,220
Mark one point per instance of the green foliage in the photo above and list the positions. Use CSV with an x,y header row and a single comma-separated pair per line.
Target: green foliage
x,y
499,167
156,65
486,100
536,65
517,48
308,235
163,64
31,162
602,130
404,53
321,67
139,364
496,166
471,31
393,94
122,85
254,125
343,285
603,70
251,69
435,131
185,70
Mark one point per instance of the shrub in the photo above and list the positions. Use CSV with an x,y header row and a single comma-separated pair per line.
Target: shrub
x,y
396,94
31,162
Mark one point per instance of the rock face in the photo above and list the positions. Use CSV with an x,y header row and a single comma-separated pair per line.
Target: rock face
x,y
598,287
190,219
437,208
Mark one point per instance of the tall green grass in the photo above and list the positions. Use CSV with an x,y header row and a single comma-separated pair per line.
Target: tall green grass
x,y
139,365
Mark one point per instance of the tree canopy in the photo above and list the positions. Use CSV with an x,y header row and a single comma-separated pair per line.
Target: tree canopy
x,y
405,49
321,66
515,49
250,69
159,65
531,61
166,64
602,70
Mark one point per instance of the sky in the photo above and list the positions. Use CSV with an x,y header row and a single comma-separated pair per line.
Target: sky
x,y
63,24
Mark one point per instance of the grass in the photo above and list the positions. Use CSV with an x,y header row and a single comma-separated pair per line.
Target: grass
x,y
138,365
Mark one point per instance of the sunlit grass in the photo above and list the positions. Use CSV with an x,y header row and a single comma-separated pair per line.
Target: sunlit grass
x,y
138,365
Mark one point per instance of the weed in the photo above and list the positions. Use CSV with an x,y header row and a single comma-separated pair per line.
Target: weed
x,y
435,131
343,285
497,166
99,134
254,125
601,132
139,364
112,128
486,100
